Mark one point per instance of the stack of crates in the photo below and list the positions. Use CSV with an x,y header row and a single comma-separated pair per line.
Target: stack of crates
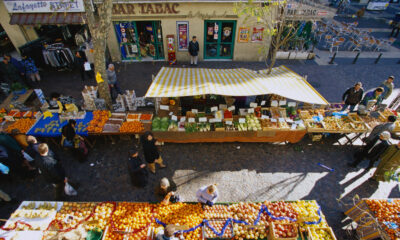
x,y
130,98
89,95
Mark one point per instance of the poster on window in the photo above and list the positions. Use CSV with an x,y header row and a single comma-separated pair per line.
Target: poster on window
x,y
257,35
244,35
183,35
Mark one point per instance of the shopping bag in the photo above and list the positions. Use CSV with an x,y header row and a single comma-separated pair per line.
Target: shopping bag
x,y
4,169
69,190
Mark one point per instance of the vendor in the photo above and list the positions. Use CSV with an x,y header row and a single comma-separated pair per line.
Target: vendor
x,y
207,195
165,191
55,103
372,95
168,234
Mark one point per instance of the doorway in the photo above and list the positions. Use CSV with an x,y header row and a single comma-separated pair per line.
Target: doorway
x,y
140,40
219,39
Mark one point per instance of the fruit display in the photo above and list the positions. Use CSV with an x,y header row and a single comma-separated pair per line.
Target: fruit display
x,y
240,126
252,123
204,127
192,127
132,127
218,225
23,125
331,123
100,118
160,124
371,121
132,117
315,125
173,126
283,125
386,211
268,124
146,117
217,212
284,230
321,234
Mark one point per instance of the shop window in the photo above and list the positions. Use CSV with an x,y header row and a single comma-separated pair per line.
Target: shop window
x,y
219,39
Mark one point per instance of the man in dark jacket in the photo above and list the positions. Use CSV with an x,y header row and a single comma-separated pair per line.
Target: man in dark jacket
x,y
372,150
51,168
376,131
194,51
352,97
137,169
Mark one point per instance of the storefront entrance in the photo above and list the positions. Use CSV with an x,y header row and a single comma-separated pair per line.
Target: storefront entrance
x,y
140,40
219,39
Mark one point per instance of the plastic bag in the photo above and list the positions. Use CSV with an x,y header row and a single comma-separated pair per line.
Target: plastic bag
x,y
4,169
69,190
27,157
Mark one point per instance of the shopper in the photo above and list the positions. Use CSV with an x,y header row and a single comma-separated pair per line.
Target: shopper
x,y
52,170
165,188
112,81
373,95
387,86
10,73
389,164
31,70
194,51
150,151
17,64
70,139
33,146
207,195
352,97
395,28
376,131
372,150
168,233
137,169
20,138
80,61
16,160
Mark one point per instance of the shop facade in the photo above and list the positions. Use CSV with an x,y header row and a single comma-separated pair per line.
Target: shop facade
x,y
140,31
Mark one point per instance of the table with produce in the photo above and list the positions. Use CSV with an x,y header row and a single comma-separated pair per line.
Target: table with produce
x,y
128,220
376,218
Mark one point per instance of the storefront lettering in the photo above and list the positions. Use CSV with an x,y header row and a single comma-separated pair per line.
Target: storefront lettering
x,y
14,6
146,8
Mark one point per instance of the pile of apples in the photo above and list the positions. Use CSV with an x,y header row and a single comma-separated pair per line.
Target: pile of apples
x,y
386,211
217,212
248,212
281,209
130,217
180,213
218,225
288,230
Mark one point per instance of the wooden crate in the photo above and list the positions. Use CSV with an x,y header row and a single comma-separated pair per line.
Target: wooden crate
x,y
327,229
273,236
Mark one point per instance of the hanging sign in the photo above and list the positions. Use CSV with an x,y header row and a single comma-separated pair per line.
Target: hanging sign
x,y
257,34
183,35
244,34
44,6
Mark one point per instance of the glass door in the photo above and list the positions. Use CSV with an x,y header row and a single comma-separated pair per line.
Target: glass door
x,y
128,40
219,39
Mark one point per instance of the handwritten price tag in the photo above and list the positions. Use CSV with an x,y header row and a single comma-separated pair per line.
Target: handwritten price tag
x,y
294,126
281,120
253,105
273,120
282,102
195,111
242,120
203,119
214,109
250,110
164,107
174,118
228,122
192,120
262,103
183,119
274,103
292,104
264,117
231,108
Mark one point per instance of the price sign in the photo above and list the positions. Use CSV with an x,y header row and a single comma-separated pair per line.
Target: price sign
x,y
231,108
294,126
183,119
274,103
288,120
264,117
273,120
253,105
298,122
203,119
214,120
250,110
174,118
164,107
214,109
282,102
281,120
211,120
228,122
170,113
242,120
262,103
192,120
195,111
292,104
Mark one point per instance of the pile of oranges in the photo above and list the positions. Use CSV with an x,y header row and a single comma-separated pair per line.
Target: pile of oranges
x,y
131,127
386,211
100,118
23,125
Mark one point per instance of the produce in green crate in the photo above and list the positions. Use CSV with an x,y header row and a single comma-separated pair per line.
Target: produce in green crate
x,y
173,126
156,125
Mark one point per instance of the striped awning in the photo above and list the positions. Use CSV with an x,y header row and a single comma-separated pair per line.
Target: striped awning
x,y
47,18
180,82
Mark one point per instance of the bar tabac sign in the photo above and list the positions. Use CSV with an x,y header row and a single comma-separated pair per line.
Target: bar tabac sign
x,y
146,9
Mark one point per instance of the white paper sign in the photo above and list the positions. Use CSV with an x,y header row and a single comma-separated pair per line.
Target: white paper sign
x,y
44,6
87,67
192,120
292,104
282,102
228,122
231,108
274,103
242,120
250,110
262,102
288,120
174,118
214,109
195,111
203,119
223,106
164,107
253,105
294,126
273,120
281,120
264,117
183,119
214,120
298,122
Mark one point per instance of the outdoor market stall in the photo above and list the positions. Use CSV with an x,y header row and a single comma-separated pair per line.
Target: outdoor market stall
x,y
128,220
376,218
271,120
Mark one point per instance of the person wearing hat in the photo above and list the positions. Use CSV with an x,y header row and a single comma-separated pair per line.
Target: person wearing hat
x,y
194,51
168,233
372,150
137,168
207,195
376,131
352,96
164,188
387,86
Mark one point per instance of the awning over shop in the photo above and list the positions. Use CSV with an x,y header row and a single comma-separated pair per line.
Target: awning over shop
x,y
47,18
179,82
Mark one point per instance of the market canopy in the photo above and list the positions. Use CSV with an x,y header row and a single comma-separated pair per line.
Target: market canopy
x,y
180,82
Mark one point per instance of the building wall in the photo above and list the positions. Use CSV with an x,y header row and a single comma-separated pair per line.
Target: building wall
x,y
195,14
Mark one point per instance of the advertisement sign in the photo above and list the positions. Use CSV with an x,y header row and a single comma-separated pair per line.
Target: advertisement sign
x,y
183,35
257,34
43,6
244,35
